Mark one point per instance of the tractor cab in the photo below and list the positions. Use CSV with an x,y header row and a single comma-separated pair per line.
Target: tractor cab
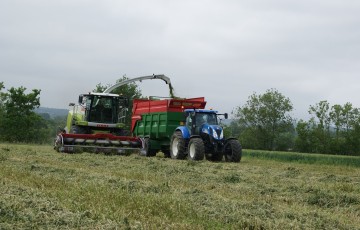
x,y
201,120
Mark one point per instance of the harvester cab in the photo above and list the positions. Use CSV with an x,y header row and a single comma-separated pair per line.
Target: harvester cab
x,y
98,113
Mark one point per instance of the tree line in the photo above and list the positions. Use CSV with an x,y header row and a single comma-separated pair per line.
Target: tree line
x,y
263,122
18,121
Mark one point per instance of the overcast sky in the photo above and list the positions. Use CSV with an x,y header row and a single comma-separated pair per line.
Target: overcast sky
x,y
226,50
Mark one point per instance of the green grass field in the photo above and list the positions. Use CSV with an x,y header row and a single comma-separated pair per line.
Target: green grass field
x,y
42,189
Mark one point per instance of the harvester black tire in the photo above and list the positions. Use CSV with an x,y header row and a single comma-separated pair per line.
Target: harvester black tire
x,y
177,146
196,149
148,151
77,130
232,151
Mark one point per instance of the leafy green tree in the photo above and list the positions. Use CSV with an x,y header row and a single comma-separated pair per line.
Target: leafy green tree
x,y
303,140
331,129
131,91
345,120
263,119
19,122
320,122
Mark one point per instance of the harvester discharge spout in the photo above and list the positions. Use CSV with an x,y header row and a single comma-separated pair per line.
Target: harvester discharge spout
x,y
150,77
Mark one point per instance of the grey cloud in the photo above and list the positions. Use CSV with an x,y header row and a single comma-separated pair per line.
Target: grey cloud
x,y
223,50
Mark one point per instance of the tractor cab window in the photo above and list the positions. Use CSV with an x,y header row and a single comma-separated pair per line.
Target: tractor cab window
x,y
102,109
206,118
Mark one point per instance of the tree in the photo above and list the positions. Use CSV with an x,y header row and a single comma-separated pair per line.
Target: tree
x,y
264,119
320,123
130,91
19,121
331,129
304,140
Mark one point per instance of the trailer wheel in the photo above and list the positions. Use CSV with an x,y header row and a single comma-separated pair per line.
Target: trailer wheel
x,y
196,149
148,151
218,156
166,153
177,146
232,151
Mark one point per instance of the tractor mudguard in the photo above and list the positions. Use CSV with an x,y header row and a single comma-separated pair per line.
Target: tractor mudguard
x,y
185,132
230,138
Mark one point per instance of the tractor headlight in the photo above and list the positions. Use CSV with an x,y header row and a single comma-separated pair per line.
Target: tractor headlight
x,y
222,134
215,135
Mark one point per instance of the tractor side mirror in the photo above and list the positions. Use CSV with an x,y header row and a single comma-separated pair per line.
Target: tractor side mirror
x,y
226,115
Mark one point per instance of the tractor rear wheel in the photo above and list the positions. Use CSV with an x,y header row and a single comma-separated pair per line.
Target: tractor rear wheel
x,y
232,151
177,146
196,149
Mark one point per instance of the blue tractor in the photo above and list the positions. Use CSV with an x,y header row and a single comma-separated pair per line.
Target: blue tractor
x,y
202,136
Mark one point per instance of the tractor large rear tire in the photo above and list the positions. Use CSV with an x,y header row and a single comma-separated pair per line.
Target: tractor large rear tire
x,y
232,151
148,151
196,149
177,146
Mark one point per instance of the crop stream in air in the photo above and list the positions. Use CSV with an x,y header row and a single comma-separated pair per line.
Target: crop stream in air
x,y
171,89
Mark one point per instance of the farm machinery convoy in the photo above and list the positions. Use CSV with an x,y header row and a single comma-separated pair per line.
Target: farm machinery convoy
x,y
179,127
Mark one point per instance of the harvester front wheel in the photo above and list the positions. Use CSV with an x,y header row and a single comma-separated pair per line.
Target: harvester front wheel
x,y
77,129
196,149
148,151
232,151
177,146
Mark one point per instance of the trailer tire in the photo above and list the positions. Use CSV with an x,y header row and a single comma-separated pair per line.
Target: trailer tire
x,y
218,156
232,151
148,151
196,149
177,146
166,153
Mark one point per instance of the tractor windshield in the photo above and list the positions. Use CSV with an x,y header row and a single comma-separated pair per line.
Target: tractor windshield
x,y
102,109
206,118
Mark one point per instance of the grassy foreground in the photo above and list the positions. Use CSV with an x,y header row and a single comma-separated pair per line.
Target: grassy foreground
x,y
40,188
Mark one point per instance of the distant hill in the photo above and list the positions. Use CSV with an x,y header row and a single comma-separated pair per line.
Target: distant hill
x,y
52,112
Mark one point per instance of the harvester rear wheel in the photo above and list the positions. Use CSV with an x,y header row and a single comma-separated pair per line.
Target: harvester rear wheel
x,y
148,151
177,146
232,151
196,149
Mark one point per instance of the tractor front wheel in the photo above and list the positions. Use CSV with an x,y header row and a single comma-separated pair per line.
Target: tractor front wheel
x,y
177,146
232,151
196,149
